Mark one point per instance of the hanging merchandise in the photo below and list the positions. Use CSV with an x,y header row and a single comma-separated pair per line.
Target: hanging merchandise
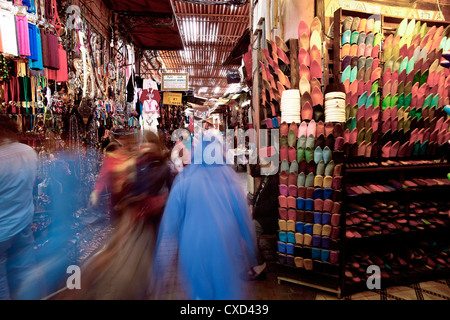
x,y
36,43
150,100
23,37
8,33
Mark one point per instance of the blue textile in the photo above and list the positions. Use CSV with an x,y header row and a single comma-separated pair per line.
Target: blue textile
x,y
208,220
37,63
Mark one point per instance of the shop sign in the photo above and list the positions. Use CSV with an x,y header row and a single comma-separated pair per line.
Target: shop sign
x,y
172,98
175,81
401,9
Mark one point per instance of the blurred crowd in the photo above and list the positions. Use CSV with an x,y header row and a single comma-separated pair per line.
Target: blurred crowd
x,y
158,196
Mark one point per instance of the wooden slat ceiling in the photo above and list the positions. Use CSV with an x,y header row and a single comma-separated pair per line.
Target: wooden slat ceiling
x,y
209,34
149,23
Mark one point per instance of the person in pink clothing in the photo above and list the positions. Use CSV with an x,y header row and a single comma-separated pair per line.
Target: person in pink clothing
x,y
121,138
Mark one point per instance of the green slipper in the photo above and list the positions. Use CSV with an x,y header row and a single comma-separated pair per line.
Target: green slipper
x,y
386,102
403,65
417,77
407,101
362,99
416,149
394,100
435,101
423,78
427,101
354,37
354,123
377,24
370,100
377,39
423,30
423,148
346,74
309,154
300,154
374,87
401,100
353,74
418,113
410,65
416,28
346,37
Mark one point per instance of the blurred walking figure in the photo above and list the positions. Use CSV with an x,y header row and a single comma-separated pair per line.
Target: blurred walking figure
x,y
207,220
140,185
18,170
122,142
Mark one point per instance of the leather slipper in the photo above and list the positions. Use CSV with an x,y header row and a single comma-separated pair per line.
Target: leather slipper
x,y
303,28
316,40
304,72
316,25
306,111
316,96
303,57
304,85
316,69
303,41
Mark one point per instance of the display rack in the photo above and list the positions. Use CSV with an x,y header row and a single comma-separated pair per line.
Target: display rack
x,y
312,262
399,243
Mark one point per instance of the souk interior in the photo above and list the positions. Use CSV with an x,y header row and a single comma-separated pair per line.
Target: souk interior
x,y
356,91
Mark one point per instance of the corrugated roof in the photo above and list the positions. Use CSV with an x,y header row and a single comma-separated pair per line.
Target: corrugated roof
x,y
209,34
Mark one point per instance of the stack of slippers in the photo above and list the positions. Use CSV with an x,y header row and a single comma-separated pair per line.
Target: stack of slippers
x,y
374,219
275,72
414,90
423,257
425,136
428,215
310,70
360,76
310,195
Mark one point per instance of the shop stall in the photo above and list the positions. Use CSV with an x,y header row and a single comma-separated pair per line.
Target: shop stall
x,y
358,99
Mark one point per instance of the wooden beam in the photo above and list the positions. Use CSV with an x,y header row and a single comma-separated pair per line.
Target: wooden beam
x,y
293,57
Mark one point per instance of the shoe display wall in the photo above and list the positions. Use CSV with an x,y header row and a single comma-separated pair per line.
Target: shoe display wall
x,y
368,188
395,188
311,161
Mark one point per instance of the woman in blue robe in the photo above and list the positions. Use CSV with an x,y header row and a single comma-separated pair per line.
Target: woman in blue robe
x,y
208,226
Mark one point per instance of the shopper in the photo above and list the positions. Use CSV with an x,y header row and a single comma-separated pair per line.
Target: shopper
x,y
122,142
18,170
207,226
264,212
121,270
